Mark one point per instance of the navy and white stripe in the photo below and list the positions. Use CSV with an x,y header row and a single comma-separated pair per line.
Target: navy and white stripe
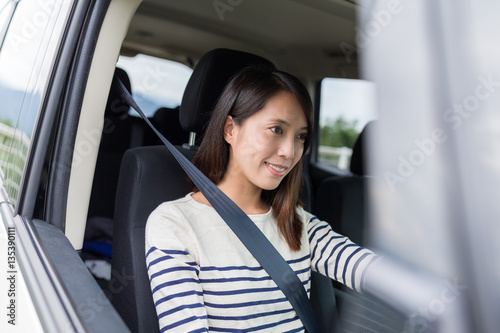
x,y
204,279
336,256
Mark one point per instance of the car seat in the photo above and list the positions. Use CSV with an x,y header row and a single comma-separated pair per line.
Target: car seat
x,y
166,121
341,199
115,141
342,203
150,176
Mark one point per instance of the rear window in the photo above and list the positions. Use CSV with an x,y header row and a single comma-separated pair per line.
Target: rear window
x,y
155,82
346,106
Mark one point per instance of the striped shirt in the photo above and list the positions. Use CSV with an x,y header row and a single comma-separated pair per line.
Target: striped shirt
x,y
203,279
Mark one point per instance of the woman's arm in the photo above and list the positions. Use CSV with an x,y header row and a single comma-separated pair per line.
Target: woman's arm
x,y
336,256
173,274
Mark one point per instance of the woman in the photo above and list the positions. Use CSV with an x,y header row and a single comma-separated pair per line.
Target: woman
x,y
202,277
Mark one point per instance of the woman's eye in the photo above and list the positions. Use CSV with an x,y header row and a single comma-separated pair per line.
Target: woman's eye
x,y
277,130
302,136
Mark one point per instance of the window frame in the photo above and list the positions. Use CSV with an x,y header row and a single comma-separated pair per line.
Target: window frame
x,y
315,156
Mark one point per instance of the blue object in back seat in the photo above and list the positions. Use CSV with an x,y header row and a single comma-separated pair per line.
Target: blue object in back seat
x,y
101,248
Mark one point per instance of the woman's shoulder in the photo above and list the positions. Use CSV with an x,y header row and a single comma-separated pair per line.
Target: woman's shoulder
x,y
313,223
304,215
182,206
168,222
169,226
174,205
182,212
169,213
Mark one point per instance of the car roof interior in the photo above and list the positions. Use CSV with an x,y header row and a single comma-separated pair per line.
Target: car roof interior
x,y
417,186
303,37
300,36
306,38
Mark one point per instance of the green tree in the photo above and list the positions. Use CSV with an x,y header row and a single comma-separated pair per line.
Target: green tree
x,y
6,122
338,133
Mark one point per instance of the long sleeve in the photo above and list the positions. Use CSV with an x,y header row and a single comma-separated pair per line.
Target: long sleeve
x,y
174,274
336,256
204,279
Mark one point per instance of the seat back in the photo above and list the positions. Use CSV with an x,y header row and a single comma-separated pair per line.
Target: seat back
x,y
341,199
150,176
166,121
115,141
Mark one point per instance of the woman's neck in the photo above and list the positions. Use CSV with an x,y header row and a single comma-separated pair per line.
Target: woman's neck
x,y
249,200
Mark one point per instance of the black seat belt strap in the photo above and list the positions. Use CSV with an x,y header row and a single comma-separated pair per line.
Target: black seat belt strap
x,y
248,233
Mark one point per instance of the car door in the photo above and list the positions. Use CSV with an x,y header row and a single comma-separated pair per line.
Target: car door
x,y
45,59
435,153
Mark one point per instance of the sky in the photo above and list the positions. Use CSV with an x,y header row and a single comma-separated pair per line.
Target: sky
x,y
352,99
161,81
23,68
164,82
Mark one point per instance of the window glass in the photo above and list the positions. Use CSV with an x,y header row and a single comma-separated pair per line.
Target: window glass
x,y
26,56
6,9
155,82
346,106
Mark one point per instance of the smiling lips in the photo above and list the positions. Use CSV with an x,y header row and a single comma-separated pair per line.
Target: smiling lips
x,y
277,170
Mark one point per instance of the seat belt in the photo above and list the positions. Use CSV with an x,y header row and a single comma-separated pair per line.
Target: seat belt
x,y
239,222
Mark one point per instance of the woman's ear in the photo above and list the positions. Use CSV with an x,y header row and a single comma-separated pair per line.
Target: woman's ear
x,y
229,127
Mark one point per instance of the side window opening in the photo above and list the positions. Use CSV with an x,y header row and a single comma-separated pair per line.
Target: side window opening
x,y
346,106
155,82
7,8
157,85
31,39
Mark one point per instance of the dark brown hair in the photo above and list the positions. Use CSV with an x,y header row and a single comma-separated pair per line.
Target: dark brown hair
x,y
245,94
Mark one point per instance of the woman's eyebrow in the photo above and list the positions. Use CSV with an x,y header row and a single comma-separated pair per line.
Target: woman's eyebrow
x,y
284,122
280,121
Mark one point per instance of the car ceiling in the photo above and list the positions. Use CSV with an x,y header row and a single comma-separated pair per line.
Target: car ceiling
x,y
300,36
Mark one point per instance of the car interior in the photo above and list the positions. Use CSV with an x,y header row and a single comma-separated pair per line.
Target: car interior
x,y
402,159
115,186
134,172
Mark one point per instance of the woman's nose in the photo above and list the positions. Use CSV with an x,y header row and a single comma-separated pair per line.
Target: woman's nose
x,y
287,148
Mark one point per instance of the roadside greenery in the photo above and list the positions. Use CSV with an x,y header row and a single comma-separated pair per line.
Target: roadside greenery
x,y
338,133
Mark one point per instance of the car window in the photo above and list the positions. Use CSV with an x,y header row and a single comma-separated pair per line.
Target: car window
x,y
155,82
7,7
346,105
26,56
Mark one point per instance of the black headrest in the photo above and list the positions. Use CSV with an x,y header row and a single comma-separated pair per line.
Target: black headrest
x,y
358,166
115,107
209,77
166,121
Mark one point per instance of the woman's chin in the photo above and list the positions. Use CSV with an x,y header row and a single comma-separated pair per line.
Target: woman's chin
x,y
271,186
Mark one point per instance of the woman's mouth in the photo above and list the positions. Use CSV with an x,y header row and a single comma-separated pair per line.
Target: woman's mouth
x,y
277,170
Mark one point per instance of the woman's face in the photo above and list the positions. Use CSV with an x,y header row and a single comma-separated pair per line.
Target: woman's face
x,y
265,148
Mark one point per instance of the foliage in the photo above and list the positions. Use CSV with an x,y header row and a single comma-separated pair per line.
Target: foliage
x,y
6,122
338,133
